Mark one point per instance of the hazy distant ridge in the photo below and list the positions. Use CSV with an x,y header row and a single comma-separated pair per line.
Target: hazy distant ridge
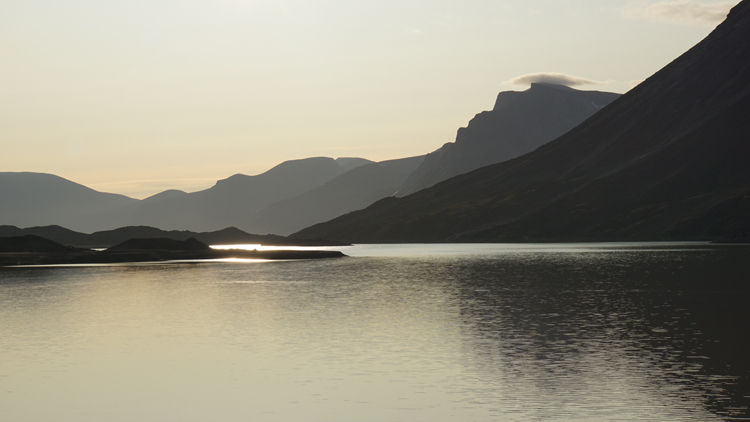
x,y
353,190
284,199
37,199
232,201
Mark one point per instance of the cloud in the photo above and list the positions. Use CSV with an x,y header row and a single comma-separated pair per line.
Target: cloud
x,y
554,78
683,12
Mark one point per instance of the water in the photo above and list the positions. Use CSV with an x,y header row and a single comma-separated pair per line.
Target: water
x,y
607,332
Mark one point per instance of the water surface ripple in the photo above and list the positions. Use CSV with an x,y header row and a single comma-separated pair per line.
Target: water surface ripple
x,y
609,332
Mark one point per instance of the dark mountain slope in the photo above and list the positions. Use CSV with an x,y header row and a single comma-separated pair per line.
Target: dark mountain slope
x,y
33,199
351,191
519,123
667,160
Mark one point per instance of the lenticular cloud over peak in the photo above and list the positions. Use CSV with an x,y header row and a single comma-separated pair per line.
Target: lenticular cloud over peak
x,y
553,78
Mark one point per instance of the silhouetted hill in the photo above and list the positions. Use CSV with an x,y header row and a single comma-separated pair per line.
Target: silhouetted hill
x,y
55,233
30,243
36,199
108,238
667,160
350,191
519,123
11,231
232,201
161,243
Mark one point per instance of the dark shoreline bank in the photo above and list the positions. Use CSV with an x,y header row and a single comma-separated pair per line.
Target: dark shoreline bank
x,y
107,238
34,250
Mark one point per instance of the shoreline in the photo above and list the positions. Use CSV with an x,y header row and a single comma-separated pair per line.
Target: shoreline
x,y
12,259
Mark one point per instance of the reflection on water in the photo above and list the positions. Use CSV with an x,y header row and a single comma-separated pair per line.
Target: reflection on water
x,y
654,332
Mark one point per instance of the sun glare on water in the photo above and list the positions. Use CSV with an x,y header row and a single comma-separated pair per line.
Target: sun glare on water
x,y
259,247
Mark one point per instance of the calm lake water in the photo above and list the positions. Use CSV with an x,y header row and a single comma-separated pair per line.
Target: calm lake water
x,y
576,332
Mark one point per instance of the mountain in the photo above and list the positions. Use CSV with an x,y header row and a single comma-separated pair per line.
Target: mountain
x,y
519,123
353,190
30,243
33,199
232,201
167,194
666,161
54,232
37,200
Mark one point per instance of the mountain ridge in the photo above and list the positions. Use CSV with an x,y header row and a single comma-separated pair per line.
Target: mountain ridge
x,y
355,189
30,198
519,122
40,199
666,161
232,201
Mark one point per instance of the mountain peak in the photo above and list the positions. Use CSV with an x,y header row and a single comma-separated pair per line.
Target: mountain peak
x,y
518,123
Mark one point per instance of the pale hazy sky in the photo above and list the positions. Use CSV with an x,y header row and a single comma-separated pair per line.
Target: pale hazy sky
x,y
140,96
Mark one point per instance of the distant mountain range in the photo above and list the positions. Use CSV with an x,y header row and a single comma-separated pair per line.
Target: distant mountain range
x,y
232,201
519,123
299,193
289,197
666,161
36,199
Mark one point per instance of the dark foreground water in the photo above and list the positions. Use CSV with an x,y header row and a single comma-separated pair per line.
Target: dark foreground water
x,y
651,332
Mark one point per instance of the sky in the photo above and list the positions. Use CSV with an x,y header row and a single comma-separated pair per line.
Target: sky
x,y
142,96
